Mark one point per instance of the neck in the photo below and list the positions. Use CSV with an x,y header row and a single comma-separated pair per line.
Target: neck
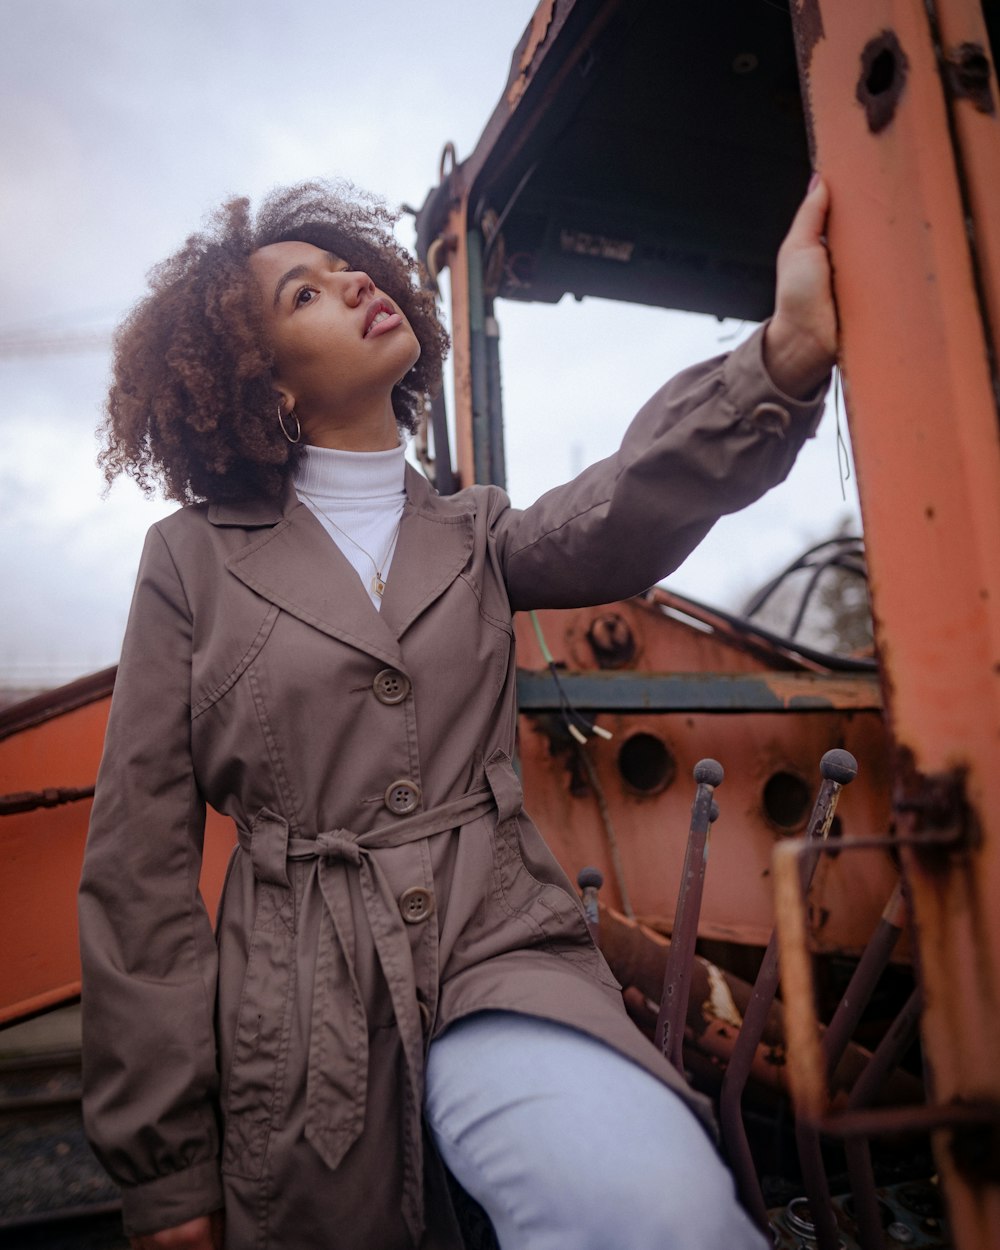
x,y
371,430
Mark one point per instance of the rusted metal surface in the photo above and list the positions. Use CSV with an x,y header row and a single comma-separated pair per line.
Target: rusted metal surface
x,y
882,79
538,29
52,796
845,1020
914,222
50,749
718,1004
970,76
770,759
53,703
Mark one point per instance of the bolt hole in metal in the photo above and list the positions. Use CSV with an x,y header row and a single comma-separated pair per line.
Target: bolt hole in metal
x,y
882,72
745,63
645,764
884,67
786,801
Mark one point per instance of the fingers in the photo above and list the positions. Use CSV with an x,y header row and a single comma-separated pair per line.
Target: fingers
x,y
203,1233
809,223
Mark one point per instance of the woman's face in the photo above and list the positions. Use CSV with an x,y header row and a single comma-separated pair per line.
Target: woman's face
x,y
340,345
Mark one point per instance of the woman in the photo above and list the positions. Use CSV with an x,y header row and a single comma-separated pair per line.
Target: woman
x,y
321,647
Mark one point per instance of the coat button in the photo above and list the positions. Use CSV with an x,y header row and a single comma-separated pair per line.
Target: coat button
x,y
415,905
402,797
390,686
771,418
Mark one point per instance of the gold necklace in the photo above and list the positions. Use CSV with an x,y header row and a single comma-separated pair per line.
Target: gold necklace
x,y
378,581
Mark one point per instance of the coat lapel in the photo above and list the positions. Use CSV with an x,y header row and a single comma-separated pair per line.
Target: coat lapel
x,y
293,563
297,565
434,545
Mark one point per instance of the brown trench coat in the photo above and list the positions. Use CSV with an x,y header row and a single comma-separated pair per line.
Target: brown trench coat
x,y
278,1066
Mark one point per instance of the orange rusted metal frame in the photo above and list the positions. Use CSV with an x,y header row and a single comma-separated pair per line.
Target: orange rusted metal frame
x,y
458,267
49,745
913,164
514,118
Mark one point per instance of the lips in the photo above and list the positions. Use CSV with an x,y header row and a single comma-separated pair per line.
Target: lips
x,y
380,318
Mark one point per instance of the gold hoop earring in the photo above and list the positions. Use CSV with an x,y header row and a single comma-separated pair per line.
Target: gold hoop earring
x,y
298,426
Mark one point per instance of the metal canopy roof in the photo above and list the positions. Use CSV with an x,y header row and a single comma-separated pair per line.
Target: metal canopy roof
x,y
645,151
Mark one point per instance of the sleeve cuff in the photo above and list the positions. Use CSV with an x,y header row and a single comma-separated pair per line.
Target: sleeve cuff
x,y
173,1199
752,392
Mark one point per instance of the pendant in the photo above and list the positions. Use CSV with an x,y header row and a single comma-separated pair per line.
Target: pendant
x,y
378,586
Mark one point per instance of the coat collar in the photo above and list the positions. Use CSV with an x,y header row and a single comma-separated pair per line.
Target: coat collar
x,y
292,562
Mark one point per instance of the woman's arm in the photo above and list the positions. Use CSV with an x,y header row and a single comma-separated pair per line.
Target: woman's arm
x,y
708,443
147,950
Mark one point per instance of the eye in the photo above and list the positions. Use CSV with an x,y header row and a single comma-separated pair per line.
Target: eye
x,y
304,295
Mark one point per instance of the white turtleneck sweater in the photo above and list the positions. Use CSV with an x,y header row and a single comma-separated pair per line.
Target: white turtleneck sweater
x,y
362,493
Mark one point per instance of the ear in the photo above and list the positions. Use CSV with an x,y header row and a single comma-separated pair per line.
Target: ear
x,y
285,400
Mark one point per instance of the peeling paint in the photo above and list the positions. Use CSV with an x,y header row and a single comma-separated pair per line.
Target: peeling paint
x,y
968,76
720,1002
808,21
541,20
807,26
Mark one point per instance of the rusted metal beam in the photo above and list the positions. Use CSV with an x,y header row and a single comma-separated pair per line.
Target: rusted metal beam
x,y
51,796
677,979
53,703
845,1020
699,692
913,165
717,1006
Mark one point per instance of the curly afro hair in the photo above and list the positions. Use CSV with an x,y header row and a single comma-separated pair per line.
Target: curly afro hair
x,y
191,408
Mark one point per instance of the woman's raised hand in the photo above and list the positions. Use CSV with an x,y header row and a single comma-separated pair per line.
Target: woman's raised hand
x,y
800,343
204,1233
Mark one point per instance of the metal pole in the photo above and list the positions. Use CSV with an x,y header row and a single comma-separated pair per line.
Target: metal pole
x,y
677,978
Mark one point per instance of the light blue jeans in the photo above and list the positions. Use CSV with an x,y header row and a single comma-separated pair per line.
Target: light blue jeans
x,y
567,1145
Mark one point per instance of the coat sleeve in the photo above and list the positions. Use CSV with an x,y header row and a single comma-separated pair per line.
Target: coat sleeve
x,y
708,443
147,950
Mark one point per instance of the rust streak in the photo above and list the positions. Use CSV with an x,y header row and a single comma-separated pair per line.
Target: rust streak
x,y
807,25
968,77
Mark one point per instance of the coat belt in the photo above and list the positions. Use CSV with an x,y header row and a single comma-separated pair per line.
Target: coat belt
x,y
337,1079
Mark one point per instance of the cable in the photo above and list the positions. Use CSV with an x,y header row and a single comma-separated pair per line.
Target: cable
x,y
577,726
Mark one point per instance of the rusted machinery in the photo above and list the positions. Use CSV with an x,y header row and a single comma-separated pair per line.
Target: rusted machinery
x,y
607,169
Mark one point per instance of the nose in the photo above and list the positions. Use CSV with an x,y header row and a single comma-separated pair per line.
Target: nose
x,y
359,287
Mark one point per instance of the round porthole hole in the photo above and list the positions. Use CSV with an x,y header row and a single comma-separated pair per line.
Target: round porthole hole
x,y
786,801
645,764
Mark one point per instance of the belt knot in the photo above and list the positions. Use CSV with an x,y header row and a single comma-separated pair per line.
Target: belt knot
x,y
338,845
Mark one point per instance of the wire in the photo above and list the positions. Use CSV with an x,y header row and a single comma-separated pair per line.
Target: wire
x,y
843,459
742,625
577,726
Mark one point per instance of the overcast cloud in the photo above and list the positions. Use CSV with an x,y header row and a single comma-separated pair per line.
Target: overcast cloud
x,y
126,121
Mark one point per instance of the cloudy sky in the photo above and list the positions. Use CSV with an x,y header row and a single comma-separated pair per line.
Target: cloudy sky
x,y
126,121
